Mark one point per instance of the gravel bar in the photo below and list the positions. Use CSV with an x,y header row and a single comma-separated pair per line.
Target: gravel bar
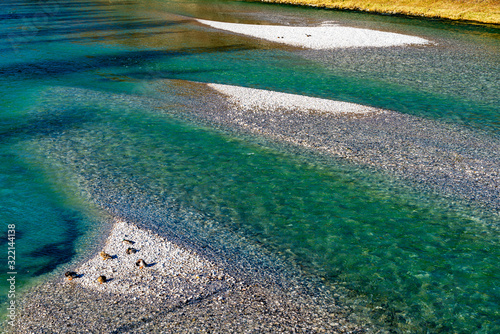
x,y
327,36
449,159
179,291
202,277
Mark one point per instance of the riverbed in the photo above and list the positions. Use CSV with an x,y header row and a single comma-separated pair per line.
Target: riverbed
x,y
136,111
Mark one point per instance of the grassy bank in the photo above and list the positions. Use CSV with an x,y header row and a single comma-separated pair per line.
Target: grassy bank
x,y
483,11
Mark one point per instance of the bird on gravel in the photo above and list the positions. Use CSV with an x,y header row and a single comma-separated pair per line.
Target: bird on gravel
x,y
131,250
105,256
141,264
128,242
101,279
70,275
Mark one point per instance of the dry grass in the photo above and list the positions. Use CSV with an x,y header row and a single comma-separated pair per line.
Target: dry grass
x,y
484,11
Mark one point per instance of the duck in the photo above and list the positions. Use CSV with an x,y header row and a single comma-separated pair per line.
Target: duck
x,y
131,250
70,275
128,242
105,256
141,264
101,279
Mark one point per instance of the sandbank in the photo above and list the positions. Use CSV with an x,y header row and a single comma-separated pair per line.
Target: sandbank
x,y
251,98
169,266
450,159
327,36
180,291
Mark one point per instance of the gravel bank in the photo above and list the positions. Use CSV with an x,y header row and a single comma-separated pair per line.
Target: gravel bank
x,y
446,158
323,37
179,291
250,99
169,267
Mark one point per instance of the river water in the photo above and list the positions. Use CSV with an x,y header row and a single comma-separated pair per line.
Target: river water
x,y
89,126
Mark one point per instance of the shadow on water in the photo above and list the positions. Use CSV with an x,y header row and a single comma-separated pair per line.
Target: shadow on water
x,y
49,124
50,6
165,74
57,253
4,238
94,38
42,69
58,13
94,27
61,21
47,224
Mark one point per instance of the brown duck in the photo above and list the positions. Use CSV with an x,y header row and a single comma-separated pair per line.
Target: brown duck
x,y
70,275
131,250
105,256
141,264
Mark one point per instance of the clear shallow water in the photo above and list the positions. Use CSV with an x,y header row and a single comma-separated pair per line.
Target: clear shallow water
x,y
414,262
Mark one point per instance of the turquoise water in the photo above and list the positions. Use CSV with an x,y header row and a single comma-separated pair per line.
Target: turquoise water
x,y
81,106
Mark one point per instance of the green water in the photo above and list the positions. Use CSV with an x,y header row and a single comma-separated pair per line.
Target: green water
x,y
82,112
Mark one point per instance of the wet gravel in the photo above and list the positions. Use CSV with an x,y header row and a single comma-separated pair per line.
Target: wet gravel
x,y
180,291
449,159
242,308
262,292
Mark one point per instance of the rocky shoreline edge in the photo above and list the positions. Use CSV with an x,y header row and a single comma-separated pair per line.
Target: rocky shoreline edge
x,y
179,291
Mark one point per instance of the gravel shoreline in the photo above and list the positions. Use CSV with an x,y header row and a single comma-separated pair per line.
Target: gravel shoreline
x,y
206,279
453,161
179,291
327,36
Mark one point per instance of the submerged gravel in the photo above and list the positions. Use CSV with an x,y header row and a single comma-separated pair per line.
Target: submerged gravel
x,y
449,159
179,291
204,277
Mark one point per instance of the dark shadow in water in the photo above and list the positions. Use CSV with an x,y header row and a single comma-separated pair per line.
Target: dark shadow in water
x,y
55,255
40,22
89,26
40,4
96,38
158,75
56,13
49,124
4,238
44,69
58,253
13,16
